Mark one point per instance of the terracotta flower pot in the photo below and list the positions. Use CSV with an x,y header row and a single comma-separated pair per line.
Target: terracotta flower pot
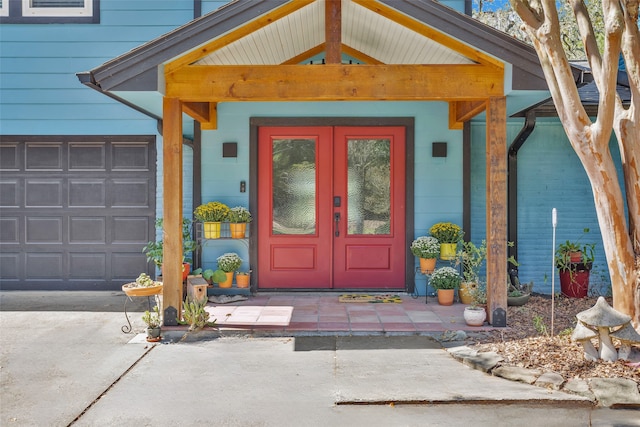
x,y
445,296
242,280
427,265
238,230
229,282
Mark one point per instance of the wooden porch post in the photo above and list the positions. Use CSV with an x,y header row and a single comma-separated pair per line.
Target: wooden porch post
x,y
172,210
497,210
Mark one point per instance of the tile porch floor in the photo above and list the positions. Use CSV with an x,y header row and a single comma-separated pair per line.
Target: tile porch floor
x,y
291,314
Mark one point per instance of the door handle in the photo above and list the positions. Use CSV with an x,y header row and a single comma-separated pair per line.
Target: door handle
x,y
336,219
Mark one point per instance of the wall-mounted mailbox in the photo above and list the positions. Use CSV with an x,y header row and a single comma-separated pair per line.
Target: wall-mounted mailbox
x,y
439,149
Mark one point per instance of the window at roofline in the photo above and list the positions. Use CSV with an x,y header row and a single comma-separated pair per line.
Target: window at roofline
x,y
49,11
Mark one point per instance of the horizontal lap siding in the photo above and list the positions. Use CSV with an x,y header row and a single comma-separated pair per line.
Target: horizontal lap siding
x,y
550,175
39,89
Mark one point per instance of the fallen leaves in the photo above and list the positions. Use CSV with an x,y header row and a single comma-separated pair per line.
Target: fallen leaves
x,y
527,342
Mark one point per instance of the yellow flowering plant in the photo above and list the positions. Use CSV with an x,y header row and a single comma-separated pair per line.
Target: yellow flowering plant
x,y
446,232
212,212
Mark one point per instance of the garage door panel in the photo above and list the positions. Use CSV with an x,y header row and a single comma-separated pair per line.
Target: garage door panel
x,y
39,156
10,266
9,230
130,157
43,193
87,230
87,193
9,157
87,266
130,193
49,265
9,191
87,156
44,230
127,230
125,266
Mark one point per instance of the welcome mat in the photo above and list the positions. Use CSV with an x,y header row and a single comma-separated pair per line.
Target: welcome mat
x,y
370,298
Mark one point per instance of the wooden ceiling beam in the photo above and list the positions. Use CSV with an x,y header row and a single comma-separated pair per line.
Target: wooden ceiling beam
x,y
334,82
204,112
462,111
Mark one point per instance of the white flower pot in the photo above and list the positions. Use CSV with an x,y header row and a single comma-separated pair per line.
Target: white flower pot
x,y
474,316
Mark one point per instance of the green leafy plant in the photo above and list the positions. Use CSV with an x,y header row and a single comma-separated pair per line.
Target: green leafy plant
x,y
195,315
445,278
478,295
239,214
144,281
155,250
229,262
152,320
539,325
425,247
565,250
212,212
446,232
472,257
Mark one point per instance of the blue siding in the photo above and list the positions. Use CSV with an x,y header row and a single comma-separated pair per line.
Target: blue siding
x,y
550,175
39,90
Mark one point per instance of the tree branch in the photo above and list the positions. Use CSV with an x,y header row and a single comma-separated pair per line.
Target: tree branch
x,y
585,27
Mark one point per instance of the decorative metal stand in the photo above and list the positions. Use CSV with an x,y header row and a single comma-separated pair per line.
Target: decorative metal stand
x,y
139,292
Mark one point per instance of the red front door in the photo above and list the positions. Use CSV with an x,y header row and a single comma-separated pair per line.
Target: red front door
x,y
331,207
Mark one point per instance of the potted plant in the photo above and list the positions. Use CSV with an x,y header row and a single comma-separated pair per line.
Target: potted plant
x,y
154,250
574,261
445,280
427,248
472,258
143,286
448,234
239,217
152,320
476,312
243,278
229,262
211,215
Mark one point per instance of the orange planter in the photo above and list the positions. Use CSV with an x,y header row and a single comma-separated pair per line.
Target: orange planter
x,y
242,280
238,230
229,282
427,265
445,296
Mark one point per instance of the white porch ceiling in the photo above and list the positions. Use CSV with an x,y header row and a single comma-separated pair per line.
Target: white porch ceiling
x,y
362,29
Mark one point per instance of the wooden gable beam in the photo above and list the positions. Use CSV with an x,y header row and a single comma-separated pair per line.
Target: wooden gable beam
x,y
332,82
333,31
204,112
462,111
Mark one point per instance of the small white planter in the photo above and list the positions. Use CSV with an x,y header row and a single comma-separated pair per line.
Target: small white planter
x,y
474,316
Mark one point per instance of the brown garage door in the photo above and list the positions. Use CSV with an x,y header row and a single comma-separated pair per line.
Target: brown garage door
x,y
75,212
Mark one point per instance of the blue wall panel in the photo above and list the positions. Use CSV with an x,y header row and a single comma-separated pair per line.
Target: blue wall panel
x,y
550,175
38,64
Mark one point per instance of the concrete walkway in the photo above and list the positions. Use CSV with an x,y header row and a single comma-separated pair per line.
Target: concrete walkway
x,y
62,368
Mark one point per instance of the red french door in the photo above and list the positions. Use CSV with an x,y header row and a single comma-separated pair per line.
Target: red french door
x,y
331,207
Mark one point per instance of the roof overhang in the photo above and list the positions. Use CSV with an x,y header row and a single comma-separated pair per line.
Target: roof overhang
x,y
264,50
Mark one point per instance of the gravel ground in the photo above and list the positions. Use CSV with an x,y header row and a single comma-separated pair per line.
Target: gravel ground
x,y
528,341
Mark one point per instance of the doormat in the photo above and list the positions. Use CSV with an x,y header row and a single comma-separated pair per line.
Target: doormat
x,y
385,298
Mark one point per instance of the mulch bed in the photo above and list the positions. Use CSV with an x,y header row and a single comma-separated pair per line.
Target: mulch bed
x,y
528,341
